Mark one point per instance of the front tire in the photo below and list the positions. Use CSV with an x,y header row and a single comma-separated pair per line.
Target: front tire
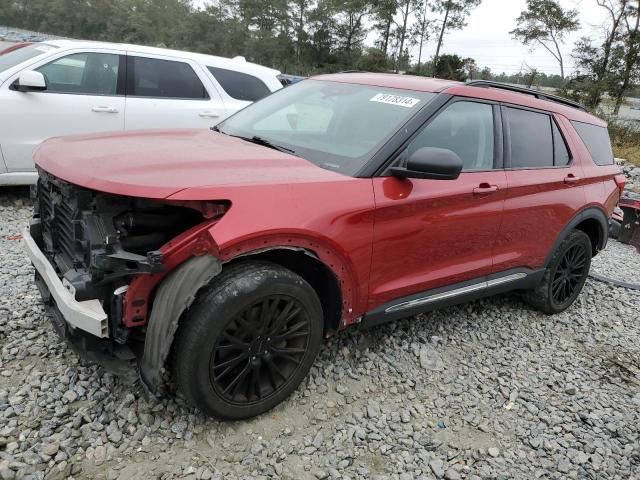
x,y
565,275
248,341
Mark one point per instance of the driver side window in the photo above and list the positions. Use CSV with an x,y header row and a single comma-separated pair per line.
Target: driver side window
x,y
83,73
465,128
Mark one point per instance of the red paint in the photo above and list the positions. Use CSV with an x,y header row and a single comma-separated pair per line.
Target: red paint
x,y
383,238
15,46
194,242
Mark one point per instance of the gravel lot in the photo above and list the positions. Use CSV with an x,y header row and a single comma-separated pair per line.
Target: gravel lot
x,y
490,389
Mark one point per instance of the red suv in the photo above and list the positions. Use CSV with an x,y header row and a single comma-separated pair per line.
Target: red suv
x,y
348,199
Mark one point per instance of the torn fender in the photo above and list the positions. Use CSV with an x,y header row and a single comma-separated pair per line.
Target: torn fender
x,y
173,297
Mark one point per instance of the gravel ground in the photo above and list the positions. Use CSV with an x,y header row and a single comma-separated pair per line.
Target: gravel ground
x,y
489,389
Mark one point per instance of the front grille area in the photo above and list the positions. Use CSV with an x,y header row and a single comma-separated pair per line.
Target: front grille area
x,y
62,229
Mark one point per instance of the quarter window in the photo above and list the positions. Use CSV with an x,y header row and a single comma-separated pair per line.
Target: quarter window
x,y
465,128
531,139
561,155
83,73
152,77
240,86
597,141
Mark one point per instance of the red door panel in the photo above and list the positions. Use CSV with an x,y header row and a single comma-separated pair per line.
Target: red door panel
x,y
431,233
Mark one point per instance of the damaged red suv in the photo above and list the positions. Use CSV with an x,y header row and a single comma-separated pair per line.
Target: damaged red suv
x,y
221,259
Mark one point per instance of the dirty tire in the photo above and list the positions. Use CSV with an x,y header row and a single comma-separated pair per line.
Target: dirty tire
x,y
545,296
248,341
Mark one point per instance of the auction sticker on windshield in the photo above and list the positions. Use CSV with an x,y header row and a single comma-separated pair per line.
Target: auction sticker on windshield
x,y
399,100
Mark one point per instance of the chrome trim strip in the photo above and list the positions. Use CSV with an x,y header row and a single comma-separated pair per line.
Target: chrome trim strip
x,y
454,293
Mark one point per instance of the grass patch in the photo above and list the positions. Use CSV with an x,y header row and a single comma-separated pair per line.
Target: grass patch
x,y
625,139
630,153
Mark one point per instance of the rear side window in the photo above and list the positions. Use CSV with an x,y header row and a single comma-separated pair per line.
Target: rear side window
x,y
531,139
240,86
152,77
597,141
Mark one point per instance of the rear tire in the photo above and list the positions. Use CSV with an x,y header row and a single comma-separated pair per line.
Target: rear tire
x,y
248,341
565,275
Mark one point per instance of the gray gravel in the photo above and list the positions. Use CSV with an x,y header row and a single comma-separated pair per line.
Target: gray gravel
x,y
490,389
620,262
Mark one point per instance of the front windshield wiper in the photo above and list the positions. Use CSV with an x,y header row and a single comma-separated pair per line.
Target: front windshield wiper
x,y
265,143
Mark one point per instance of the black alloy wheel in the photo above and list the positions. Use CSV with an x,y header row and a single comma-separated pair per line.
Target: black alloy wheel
x,y
570,273
564,276
259,349
248,340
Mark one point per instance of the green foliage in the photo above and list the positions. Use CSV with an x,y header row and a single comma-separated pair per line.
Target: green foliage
x,y
546,23
450,67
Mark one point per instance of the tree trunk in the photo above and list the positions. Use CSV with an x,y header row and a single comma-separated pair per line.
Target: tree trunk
x,y
385,46
442,30
631,61
424,24
403,31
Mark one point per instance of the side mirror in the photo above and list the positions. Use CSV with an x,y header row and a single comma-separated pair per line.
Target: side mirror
x,y
31,81
430,163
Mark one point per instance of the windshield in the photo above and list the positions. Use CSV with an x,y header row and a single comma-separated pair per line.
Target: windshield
x,y
16,57
338,126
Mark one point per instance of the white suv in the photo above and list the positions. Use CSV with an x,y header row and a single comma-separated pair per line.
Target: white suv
x,y
66,87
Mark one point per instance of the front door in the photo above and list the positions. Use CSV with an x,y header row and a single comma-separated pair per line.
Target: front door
x,y
82,96
434,233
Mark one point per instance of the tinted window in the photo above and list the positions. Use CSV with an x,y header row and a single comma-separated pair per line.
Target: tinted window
x,y
151,77
240,86
465,128
560,152
531,139
597,141
83,73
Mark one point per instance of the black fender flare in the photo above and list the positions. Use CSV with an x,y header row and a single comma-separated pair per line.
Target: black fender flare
x,y
588,213
173,297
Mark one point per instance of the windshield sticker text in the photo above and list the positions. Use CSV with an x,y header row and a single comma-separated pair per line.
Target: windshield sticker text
x,y
399,100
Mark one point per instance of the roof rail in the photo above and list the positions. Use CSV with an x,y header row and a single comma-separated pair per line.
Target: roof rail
x,y
528,91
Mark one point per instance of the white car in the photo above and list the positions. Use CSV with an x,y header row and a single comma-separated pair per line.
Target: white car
x,y
65,87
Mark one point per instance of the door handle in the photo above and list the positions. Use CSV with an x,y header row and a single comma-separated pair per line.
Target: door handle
x,y
571,179
484,189
209,115
104,110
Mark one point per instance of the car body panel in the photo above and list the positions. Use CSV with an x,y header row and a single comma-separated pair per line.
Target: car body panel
x,y
431,233
168,161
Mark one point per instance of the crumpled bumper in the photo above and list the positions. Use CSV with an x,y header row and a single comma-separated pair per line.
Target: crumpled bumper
x,y
87,315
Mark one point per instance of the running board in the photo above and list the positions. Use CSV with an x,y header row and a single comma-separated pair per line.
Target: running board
x,y
452,295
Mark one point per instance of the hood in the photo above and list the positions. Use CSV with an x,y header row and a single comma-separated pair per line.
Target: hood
x,y
160,163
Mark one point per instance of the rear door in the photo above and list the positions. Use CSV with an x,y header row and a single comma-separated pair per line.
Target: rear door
x,y
545,187
434,233
163,92
85,94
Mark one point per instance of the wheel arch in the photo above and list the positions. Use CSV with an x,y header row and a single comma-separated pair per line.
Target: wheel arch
x,y
593,221
318,274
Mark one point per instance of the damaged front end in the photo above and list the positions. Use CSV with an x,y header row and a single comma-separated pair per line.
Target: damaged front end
x,y
99,259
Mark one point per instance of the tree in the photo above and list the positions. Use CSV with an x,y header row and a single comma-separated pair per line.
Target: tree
x,y
374,60
594,61
546,23
350,18
451,67
421,30
455,17
402,31
628,68
383,13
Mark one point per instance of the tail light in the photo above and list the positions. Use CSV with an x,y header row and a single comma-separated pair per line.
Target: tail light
x,y
621,181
